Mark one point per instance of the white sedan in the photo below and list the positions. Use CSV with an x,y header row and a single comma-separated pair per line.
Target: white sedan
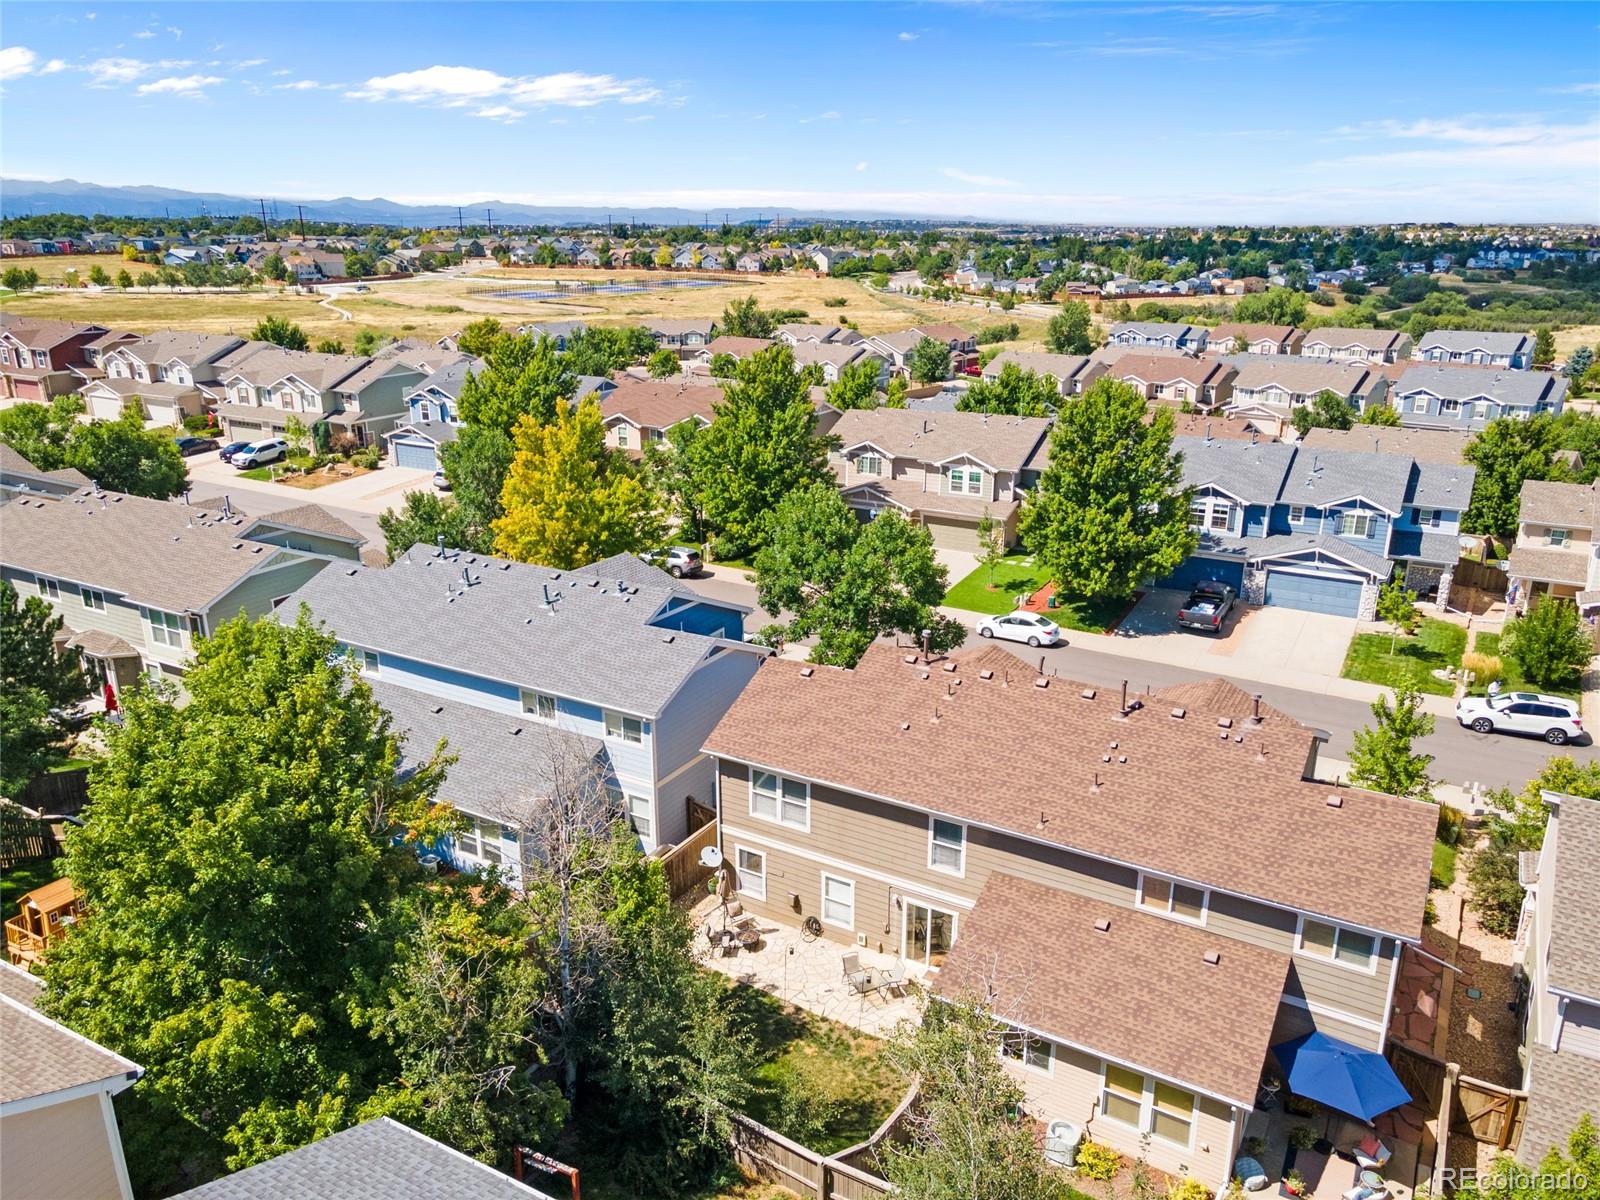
x,y
1021,627
1550,717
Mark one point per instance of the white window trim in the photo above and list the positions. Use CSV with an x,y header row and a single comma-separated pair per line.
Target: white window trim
x,y
98,604
621,735
1205,899
1355,518
1297,520
959,872
933,906
761,893
1147,1106
1300,940
822,903
49,588
531,710
1023,1037
152,625
370,665
777,817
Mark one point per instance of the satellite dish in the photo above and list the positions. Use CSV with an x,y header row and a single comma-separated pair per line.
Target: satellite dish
x,y
711,857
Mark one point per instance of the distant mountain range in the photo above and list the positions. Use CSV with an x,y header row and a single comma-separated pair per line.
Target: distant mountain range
x,y
24,197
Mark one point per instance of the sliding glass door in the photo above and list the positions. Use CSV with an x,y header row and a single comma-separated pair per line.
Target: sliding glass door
x,y
928,935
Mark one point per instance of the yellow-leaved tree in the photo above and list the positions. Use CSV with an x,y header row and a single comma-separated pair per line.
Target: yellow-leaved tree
x,y
570,500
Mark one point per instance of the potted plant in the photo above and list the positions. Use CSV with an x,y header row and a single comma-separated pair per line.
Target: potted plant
x,y
1294,1183
1302,1137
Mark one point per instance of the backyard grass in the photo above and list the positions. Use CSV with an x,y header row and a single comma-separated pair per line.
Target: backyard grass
x,y
1443,873
1511,677
22,877
1021,574
1436,645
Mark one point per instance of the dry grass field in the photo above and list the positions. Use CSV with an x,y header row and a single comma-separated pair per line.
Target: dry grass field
x,y
1569,339
59,268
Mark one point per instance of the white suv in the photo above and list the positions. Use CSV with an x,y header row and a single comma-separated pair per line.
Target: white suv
x,y
1550,717
259,454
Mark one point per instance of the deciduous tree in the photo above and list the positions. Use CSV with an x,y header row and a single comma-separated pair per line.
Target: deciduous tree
x,y
569,500
1550,642
1070,331
1328,411
124,456
36,682
1275,306
422,519
929,361
1507,453
521,376
664,364
280,332
1384,758
1110,511
1014,392
856,387
1397,604
478,337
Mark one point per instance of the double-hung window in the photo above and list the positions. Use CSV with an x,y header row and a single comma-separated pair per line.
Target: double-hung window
x,y
1349,947
965,481
1172,898
1558,537
166,629
751,866
839,901
1297,514
50,589
786,801
624,728
622,436
1162,1110
93,599
1122,1097
639,811
369,662
540,705
1032,1052
947,846
1428,517
1355,524
869,464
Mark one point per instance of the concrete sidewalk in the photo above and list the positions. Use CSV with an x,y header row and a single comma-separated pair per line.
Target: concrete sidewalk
x,y
1179,652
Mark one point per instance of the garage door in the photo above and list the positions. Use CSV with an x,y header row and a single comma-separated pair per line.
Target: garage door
x,y
106,408
953,535
1314,593
1193,569
415,454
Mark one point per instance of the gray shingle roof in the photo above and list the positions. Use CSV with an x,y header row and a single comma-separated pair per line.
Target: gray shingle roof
x,y
1325,476
377,1160
312,518
1561,1088
1575,913
503,762
1275,545
1441,485
1304,376
189,347
1462,341
1522,389
597,646
1253,473
1155,329
42,1057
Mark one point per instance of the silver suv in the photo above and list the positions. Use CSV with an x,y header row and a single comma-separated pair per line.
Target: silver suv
x,y
677,561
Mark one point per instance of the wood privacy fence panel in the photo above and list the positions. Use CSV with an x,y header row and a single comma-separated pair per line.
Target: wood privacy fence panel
x,y
847,1183
24,838
1488,1113
59,794
1474,574
1422,1074
682,862
774,1158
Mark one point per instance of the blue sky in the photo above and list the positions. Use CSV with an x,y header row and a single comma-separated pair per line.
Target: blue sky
x,y
1143,111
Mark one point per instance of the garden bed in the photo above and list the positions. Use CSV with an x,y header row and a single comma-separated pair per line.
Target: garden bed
x,y
1437,645
324,476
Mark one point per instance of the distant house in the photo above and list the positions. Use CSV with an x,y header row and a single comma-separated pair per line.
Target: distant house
x,y
824,258
905,281
897,347
1560,965
559,332
1071,373
1191,339
833,357
1258,339
1465,347
638,413
681,334
263,386
748,264
1358,345
945,471
431,419
58,1127
739,347
161,403
1436,397
39,357
794,334
1269,387
182,256
1176,381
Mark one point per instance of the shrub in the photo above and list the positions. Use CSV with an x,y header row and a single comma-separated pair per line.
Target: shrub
x,y
1096,1161
197,422
835,302
366,459
1485,668
1004,331
1302,1137
1188,1188
1450,823
1550,643
1496,888
343,443
1252,1147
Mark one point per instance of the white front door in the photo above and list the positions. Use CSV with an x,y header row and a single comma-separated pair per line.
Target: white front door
x,y
927,933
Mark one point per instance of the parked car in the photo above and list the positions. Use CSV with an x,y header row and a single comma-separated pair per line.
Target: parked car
x,y
195,445
440,481
227,452
1021,627
259,454
1550,717
677,561
1207,607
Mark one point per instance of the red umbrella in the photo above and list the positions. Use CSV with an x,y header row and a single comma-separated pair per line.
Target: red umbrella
x,y
111,698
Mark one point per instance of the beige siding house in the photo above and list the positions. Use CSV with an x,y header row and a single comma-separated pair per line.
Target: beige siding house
x,y
880,801
58,1131
1556,553
1356,345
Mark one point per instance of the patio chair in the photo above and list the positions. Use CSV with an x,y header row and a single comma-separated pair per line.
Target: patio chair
x,y
894,979
859,979
1370,1153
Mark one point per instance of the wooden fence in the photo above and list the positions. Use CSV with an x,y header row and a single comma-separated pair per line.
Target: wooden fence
x,y
24,836
1473,574
682,862
58,794
848,1175
1488,1113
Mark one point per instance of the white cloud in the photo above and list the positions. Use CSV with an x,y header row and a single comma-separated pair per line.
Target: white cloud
x,y
906,36
642,117
244,64
299,85
1577,89
105,72
16,61
283,71
498,112
53,67
190,87
862,165
459,87
176,33
1493,143
830,115
976,180
145,33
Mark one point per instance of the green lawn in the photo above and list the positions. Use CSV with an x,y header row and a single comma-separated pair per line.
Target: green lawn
x,y
1444,865
1021,574
1435,645
1511,677
272,470
21,878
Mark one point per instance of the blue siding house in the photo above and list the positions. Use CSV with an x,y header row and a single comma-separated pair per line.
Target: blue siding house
x,y
431,417
513,665
1319,530
1440,397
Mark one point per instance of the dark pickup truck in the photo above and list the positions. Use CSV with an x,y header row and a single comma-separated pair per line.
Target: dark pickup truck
x,y
1207,606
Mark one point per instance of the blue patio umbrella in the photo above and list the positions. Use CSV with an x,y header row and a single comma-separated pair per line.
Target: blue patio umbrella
x,y
1339,1075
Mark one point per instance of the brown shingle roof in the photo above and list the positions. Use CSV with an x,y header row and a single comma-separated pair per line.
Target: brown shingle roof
x,y
1564,505
1225,334
1575,911
1443,446
1002,442
659,404
42,1057
1140,992
1554,564
1222,811
313,518
1167,368
739,347
41,333
1337,337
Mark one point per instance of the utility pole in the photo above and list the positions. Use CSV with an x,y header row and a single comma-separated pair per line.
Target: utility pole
x,y
488,214
461,224
301,209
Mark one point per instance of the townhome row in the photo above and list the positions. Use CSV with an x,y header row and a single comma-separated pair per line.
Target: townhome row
x,y
1118,894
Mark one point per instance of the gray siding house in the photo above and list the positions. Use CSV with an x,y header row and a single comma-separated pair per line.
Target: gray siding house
x,y
1472,348
1436,397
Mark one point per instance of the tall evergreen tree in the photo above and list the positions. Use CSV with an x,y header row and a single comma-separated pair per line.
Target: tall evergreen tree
x,y
36,681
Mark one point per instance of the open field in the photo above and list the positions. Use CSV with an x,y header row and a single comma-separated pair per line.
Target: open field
x,y
53,268
1569,339
432,305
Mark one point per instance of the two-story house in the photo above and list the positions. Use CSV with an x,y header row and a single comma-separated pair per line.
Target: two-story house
x,y
1319,530
1356,345
432,417
264,385
1071,373
944,470
639,412
1232,338
682,335
1437,397
135,580
1117,893
1268,388
559,332
1161,335
1556,552
1176,380
1474,348
834,357
1560,975
617,653
898,346
38,355
19,477
795,333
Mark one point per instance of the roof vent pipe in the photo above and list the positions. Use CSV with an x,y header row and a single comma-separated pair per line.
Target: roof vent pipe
x,y
1255,709
466,578
440,541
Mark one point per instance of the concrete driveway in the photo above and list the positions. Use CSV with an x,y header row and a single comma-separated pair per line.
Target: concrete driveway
x,y
1254,637
959,563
